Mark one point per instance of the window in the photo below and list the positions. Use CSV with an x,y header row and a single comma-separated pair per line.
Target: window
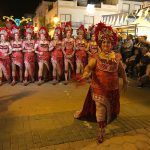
x,y
136,6
88,20
65,17
125,7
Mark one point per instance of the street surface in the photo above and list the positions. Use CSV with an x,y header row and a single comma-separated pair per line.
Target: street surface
x,y
41,118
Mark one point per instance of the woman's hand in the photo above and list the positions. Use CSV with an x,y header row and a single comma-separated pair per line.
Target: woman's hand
x,y
80,81
5,54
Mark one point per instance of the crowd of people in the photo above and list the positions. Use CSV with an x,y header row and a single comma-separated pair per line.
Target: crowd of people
x,y
98,54
135,54
38,58
62,56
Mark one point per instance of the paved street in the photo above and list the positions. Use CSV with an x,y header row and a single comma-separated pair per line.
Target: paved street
x,y
41,118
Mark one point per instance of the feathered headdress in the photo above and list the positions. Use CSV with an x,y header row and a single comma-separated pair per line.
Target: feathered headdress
x,y
8,24
29,30
68,26
102,31
58,32
4,31
15,30
81,30
43,30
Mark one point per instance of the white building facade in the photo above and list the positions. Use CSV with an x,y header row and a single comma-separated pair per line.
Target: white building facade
x,y
112,12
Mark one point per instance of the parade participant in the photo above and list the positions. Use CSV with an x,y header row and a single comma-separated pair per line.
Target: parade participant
x,y
68,51
81,47
63,24
17,56
102,100
29,54
43,54
57,55
5,51
92,47
8,25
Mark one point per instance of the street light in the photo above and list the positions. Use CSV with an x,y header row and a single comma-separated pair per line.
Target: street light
x,y
90,8
56,20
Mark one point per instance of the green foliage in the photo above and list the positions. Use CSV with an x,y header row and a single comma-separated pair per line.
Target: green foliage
x,y
2,23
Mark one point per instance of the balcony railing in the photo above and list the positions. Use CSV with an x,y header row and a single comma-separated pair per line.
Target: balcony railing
x,y
76,24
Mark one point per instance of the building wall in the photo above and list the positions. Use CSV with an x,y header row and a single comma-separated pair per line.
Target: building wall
x,y
129,6
80,14
70,11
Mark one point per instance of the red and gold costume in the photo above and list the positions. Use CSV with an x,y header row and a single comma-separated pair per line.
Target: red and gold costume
x,y
81,45
81,55
102,100
17,55
43,48
57,54
4,55
28,47
69,50
69,45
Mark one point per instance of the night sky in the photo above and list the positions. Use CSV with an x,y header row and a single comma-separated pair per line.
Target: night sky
x,y
17,8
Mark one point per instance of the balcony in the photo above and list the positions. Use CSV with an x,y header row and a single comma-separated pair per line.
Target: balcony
x,y
110,2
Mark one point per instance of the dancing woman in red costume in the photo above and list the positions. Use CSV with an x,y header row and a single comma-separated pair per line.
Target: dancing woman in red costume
x,y
102,99
68,51
92,48
17,56
43,54
5,51
57,55
29,54
81,51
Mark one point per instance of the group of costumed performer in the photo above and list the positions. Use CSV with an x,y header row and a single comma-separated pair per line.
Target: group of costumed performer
x,y
68,51
43,55
5,61
102,100
57,55
29,55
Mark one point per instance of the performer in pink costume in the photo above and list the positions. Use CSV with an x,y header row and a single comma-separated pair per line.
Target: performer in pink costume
x,y
57,55
5,51
17,55
102,100
43,54
68,51
81,51
29,54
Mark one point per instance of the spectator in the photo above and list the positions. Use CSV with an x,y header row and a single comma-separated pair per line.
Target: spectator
x,y
131,63
144,62
127,48
145,79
